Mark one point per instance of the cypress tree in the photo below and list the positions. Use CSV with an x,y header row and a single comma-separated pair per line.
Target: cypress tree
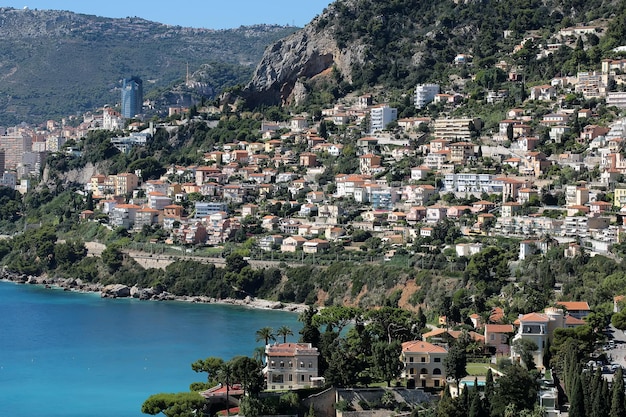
x,y
617,395
476,406
576,399
464,403
588,391
489,390
594,399
601,400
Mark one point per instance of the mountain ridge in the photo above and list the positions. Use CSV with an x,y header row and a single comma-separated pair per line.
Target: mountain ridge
x,y
54,63
406,42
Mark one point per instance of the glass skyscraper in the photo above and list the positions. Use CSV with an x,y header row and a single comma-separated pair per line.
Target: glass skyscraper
x,y
132,97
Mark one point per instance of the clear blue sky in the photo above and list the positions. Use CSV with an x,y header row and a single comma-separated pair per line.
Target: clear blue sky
x,y
210,14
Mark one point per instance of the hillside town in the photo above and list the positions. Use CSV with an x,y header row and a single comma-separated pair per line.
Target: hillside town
x,y
507,185
357,179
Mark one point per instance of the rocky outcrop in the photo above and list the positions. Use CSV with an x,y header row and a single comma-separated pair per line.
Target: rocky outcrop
x,y
115,291
308,53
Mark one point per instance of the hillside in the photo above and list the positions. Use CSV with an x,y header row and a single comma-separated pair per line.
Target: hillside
x,y
54,63
404,42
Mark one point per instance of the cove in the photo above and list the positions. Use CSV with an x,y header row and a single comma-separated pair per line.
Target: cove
x,y
74,354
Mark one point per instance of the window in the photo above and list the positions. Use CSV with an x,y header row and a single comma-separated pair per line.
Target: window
x,y
290,377
282,364
301,378
423,371
277,379
423,359
437,359
310,364
411,371
290,364
436,371
436,382
301,364
411,359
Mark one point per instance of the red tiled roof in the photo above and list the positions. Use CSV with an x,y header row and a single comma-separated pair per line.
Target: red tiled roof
x,y
422,347
573,321
574,305
498,328
537,317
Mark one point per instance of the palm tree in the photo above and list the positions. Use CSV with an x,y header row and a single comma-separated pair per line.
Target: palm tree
x,y
266,334
284,331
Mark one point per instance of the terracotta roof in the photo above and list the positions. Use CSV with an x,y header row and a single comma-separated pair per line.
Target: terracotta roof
x,y
497,314
498,328
573,321
435,332
575,305
419,346
538,317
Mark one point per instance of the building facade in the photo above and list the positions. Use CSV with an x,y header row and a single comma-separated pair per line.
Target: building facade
x,y
424,94
291,366
423,364
132,97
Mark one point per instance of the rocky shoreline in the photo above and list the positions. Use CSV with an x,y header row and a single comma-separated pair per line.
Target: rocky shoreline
x,y
147,294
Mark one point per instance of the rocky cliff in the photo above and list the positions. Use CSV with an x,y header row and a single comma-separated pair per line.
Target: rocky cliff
x,y
400,43
310,52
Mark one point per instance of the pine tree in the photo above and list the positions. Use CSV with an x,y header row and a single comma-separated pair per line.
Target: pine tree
x,y
618,409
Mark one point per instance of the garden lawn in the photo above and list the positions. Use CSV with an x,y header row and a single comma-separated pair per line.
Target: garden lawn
x,y
477,369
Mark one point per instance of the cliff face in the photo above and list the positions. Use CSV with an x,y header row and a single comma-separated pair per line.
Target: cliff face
x,y
401,43
307,53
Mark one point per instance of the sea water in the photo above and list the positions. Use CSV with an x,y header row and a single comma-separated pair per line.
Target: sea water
x,y
71,354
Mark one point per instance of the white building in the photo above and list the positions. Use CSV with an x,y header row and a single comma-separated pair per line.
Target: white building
x,y
381,116
424,94
291,366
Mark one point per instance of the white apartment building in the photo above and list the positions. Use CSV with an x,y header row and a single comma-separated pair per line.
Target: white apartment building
x,y
381,116
472,183
424,94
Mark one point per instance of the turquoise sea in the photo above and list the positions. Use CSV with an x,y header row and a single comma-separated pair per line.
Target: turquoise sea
x,y
71,354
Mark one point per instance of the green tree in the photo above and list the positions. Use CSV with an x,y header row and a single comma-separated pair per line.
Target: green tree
x,y
235,263
309,333
526,349
266,334
618,407
518,389
112,257
577,399
248,373
210,365
619,320
184,404
284,331
455,363
386,357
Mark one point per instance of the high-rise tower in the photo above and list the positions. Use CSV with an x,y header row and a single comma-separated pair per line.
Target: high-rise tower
x,y
132,97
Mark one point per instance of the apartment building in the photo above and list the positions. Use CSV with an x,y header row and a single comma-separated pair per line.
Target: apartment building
x,y
291,366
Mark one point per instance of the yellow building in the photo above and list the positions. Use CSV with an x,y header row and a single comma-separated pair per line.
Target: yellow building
x,y
619,197
423,364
